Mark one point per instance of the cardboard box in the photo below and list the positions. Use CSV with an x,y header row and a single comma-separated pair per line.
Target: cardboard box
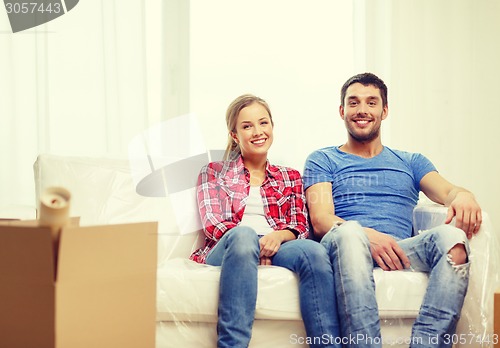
x,y
496,320
103,294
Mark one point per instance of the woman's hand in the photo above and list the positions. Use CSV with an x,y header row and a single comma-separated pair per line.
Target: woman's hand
x,y
265,261
270,244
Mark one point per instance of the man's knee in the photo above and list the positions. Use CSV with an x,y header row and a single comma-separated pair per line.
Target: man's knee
x,y
457,254
349,233
349,236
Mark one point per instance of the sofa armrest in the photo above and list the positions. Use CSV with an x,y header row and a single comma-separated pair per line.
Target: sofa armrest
x,y
484,278
427,216
484,273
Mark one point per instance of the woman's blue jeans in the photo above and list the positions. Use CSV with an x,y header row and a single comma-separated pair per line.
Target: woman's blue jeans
x,y
349,251
238,254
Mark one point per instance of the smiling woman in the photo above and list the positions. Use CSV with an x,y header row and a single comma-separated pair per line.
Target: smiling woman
x,y
248,116
254,131
253,213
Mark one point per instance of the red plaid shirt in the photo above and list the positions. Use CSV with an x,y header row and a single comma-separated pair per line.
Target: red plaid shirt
x,y
223,189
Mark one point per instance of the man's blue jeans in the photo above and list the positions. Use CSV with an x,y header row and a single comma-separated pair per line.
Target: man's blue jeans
x,y
349,251
238,254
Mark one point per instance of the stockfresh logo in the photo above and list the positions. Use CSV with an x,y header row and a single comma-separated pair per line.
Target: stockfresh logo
x,y
28,14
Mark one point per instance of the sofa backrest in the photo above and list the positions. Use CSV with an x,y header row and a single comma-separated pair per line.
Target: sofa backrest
x,y
103,192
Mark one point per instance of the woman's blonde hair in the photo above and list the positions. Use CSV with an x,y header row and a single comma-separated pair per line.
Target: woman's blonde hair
x,y
233,149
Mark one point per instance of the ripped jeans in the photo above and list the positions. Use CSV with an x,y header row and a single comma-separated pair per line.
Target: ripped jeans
x,y
352,263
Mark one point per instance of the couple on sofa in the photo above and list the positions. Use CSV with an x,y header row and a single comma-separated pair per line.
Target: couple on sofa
x,y
360,197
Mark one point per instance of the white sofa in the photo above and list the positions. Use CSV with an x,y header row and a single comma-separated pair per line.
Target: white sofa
x,y
103,191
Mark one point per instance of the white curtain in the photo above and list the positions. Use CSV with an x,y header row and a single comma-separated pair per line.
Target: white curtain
x,y
82,85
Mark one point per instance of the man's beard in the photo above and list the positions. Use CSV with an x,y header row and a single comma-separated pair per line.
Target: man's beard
x,y
363,138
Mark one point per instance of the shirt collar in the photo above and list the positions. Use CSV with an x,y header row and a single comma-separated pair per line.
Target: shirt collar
x,y
270,169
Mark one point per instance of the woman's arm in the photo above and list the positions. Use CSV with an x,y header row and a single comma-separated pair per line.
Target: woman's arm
x,y
296,216
209,204
296,224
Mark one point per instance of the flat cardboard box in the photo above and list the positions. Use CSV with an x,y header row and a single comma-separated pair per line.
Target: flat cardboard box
x,y
102,296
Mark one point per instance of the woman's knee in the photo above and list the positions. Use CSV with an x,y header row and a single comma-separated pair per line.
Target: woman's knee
x,y
303,254
243,239
311,250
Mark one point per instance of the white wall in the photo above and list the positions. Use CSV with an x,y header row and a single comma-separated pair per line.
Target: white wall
x,y
294,54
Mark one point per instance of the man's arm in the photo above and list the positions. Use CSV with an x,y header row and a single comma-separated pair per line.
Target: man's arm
x,y
321,209
384,249
461,203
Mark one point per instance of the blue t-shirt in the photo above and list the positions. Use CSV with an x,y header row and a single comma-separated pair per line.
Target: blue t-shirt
x,y
378,192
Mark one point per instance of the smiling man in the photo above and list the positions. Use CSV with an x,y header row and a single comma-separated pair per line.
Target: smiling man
x,y
361,196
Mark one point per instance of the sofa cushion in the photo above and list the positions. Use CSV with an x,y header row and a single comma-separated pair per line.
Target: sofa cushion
x,y
188,291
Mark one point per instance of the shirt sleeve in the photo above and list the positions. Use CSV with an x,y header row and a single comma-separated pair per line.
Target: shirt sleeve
x,y
421,166
317,169
296,215
209,204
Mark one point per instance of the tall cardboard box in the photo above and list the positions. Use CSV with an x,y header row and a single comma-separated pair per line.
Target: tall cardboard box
x,y
102,294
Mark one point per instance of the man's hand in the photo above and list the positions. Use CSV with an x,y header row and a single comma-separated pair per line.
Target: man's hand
x,y
461,203
386,252
467,213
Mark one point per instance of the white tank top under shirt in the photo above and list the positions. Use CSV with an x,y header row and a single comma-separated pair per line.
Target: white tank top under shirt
x,y
254,215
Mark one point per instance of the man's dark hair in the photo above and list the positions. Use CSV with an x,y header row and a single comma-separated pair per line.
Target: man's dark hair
x,y
366,79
